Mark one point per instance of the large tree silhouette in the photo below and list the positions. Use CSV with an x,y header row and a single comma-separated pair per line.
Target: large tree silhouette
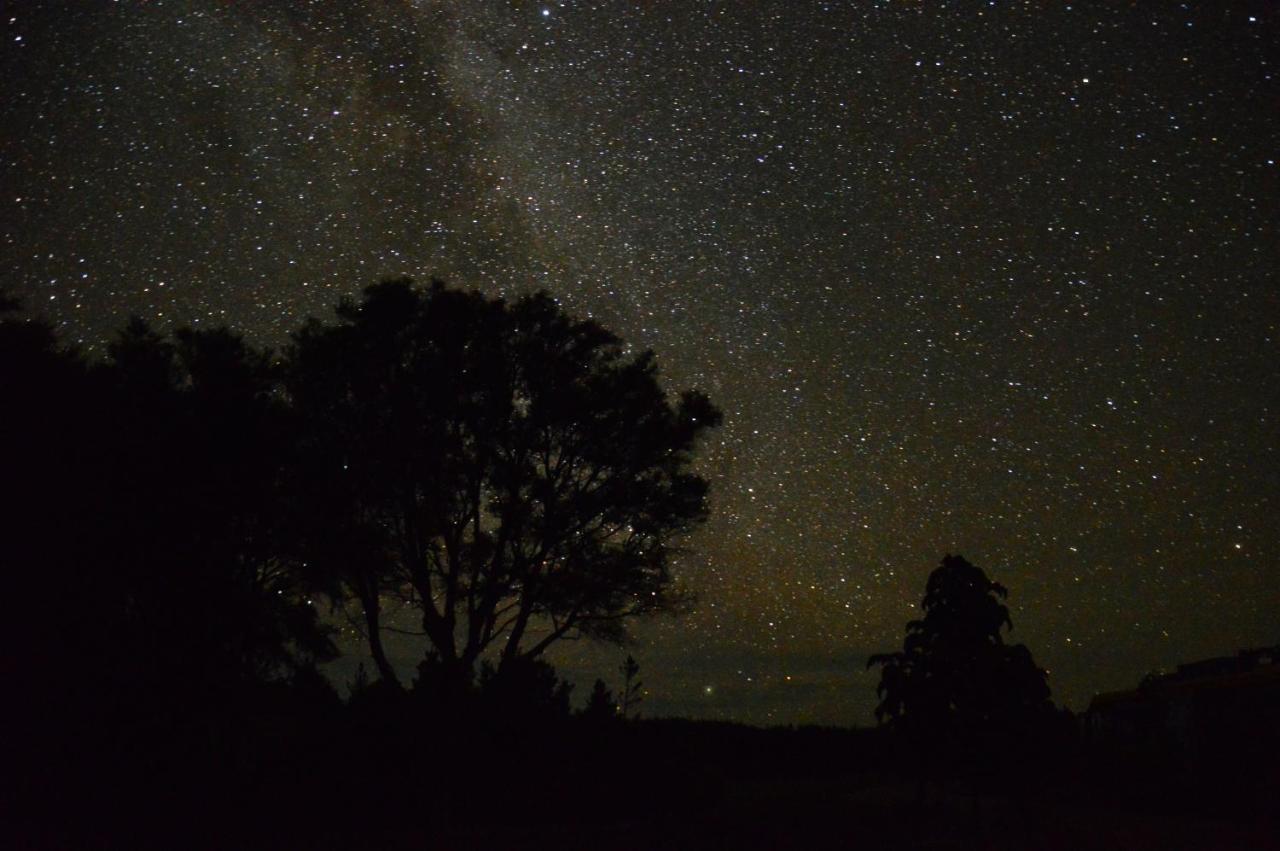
x,y
956,688
156,605
146,493
505,470
201,437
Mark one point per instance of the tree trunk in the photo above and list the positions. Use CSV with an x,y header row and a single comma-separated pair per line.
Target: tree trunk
x,y
373,627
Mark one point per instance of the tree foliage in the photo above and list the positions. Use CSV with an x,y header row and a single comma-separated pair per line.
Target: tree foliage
x,y
225,568
955,676
505,470
148,505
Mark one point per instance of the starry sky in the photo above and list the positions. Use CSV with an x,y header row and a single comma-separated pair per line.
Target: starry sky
x,y
995,278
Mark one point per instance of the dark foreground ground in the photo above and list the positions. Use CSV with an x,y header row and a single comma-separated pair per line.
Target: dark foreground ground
x,y
404,782
831,815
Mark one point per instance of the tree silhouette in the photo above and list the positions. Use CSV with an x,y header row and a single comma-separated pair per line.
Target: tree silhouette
x,y
506,471
156,601
51,466
600,703
632,689
149,488
956,688
217,579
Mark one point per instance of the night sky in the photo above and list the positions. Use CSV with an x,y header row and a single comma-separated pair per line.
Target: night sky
x,y
986,277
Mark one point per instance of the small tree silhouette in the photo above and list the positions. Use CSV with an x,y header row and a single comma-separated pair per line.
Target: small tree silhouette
x,y
632,694
601,705
956,691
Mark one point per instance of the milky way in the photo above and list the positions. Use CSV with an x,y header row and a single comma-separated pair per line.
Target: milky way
x,y
989,278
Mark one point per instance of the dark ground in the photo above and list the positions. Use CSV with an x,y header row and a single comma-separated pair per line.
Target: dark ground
x,y
368,782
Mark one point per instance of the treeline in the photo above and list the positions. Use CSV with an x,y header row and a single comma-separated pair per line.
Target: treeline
x,y
188,517
505,472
